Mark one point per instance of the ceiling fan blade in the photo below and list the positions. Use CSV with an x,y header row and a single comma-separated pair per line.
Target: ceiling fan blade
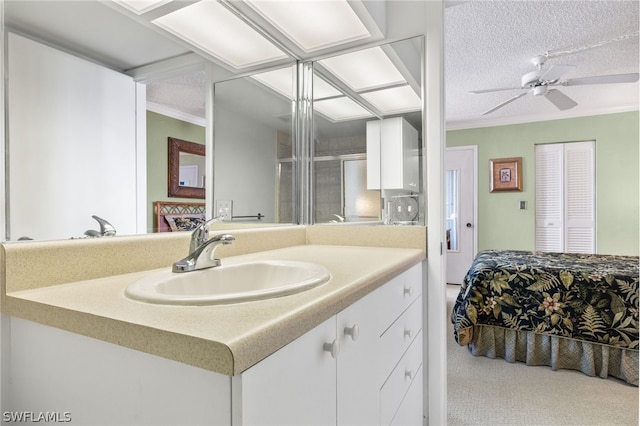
x,y
477,92
554,72
602,79
560,100
504,103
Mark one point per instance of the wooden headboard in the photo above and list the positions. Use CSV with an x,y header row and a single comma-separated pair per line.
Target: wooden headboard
x,y
163,208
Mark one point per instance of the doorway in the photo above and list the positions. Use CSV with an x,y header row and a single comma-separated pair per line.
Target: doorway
x,y
460,164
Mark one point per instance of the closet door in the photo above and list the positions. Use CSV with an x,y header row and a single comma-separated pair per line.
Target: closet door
x,y
565,197
549,197
579,176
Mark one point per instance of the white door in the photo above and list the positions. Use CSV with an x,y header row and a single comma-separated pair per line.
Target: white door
x,y
460,217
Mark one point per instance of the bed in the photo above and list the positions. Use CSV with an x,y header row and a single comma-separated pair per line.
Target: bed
x,y
172,216
567,311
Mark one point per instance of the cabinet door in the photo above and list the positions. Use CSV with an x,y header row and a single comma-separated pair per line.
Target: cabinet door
x,y
295,385
358,364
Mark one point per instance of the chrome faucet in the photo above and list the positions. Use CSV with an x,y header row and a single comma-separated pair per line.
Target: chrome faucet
x,y
200,235
106,229
201,249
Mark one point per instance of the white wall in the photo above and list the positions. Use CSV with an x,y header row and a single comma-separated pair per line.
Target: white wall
x,y
72,144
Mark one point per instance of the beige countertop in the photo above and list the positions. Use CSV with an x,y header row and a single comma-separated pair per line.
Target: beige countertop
x,y
224,338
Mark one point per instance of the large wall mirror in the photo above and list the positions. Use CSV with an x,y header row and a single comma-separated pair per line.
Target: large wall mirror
x,y
102,173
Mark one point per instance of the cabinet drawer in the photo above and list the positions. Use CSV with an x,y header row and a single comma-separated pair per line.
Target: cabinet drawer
x,y
410,411
398,383
397,338
398,294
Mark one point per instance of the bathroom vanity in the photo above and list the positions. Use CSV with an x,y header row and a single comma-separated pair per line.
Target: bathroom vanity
x,y
349,351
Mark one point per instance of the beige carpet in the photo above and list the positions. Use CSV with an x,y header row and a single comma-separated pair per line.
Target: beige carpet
x,y
484,391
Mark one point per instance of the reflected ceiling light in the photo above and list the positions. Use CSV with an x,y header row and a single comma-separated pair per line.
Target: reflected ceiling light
x,y
323,90
395,99
313,24
141,6
281,80
217,31
340,109
365,69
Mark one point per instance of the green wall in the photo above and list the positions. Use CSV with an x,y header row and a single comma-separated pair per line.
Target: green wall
x,y
159,128
501,225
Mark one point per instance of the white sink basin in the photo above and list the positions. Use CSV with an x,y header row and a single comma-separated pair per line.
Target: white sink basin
x,y
229,283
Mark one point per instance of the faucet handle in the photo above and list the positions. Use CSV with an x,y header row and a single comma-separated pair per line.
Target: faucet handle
x,y
106,229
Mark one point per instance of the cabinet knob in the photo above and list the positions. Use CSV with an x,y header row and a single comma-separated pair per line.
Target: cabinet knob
x,y
408,333
408,374
408,291
354,332
333,348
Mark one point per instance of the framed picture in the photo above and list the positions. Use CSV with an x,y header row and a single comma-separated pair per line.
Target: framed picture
x,y
506,174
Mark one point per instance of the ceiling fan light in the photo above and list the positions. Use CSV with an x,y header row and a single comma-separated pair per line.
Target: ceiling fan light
x,y
540,90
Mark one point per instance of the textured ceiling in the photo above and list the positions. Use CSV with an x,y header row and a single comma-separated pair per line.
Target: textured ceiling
x,y
489,44
183,93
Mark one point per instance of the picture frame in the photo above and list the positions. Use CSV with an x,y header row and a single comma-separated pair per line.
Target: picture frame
x,y
506,174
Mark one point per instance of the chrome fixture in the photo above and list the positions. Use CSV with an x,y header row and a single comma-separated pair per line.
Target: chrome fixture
x,y
106,229
201,249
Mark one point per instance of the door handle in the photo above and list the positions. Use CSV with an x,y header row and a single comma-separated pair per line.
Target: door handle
x,y
469,225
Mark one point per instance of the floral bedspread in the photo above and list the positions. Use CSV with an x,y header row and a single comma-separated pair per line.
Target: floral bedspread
x,y
581,296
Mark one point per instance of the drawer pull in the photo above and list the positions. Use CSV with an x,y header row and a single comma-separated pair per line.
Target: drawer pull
x,y
408,291
408,333
354,332
333,348
408,374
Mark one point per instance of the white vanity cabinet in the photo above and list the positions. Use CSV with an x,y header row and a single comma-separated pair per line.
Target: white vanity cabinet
x,y
392,155
360,367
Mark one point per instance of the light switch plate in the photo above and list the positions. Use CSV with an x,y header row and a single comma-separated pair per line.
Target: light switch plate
x,y
224,210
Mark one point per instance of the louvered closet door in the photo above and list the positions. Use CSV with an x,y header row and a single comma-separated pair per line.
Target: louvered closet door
x,y
579,175
549,198
565,197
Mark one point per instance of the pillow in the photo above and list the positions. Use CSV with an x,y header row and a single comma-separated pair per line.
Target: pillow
x,y
184,222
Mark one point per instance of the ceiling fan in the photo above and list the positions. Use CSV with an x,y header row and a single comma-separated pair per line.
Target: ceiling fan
x,y
541,82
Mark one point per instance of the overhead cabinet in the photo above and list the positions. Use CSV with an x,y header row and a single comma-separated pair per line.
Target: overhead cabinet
x,y
392,155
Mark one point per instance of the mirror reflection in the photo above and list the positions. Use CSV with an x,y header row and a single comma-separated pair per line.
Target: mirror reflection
x,y
186,169
253,127
367,135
